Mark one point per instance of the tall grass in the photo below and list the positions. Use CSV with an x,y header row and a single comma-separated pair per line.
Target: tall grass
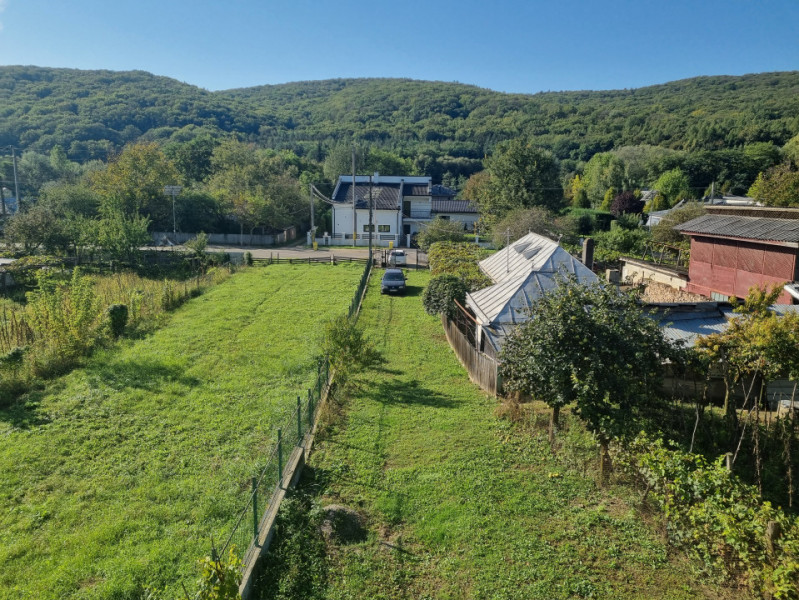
x,y
64,319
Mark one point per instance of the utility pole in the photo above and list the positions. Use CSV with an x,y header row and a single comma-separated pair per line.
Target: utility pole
x,y
354,214
173,190
310,197
371,225
16,184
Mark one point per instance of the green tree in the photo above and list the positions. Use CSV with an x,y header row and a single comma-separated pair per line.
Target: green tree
x,y
122,235
522,221
778,186
441,294
673,185
521,176
605,170
590,346
133,183
665,232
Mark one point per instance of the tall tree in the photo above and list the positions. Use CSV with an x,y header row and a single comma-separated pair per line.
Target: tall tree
x,y
604,171
778,186
134,183
520,176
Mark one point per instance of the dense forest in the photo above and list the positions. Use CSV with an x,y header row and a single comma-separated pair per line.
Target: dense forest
x,y
89,113
244,156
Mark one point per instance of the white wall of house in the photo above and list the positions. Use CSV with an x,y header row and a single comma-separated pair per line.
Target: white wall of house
x,y
387,225
468,219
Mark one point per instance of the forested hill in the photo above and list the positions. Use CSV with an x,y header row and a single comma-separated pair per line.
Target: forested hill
x,y
89,113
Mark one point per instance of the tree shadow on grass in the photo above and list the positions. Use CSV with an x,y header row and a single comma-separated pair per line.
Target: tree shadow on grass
x,y
397,391
149,375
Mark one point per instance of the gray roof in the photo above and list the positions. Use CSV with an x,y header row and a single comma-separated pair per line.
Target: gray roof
x,y
386,195
686,322
441,190
415,190
453,206
749,228
523,271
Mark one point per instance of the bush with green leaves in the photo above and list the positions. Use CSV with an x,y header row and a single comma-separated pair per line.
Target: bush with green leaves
x,y
716,518
460,260
521,221
440,230
442,292
117,318
65,318
248,258
347,348
220,577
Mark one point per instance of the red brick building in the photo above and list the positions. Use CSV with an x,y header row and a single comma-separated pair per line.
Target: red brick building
x,y
734,249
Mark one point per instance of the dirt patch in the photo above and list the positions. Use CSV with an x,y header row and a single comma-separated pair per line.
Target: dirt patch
x,y
343,524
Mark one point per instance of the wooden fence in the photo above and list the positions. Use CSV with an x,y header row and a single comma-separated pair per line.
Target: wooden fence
x,y
482,369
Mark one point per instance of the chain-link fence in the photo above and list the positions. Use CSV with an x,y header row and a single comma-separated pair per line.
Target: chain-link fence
x,y
293,433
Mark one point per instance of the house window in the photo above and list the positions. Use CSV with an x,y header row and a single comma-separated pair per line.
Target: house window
x,y
368,228
384,228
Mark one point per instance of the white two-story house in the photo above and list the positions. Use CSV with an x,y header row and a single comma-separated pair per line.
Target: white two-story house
x,y
401,206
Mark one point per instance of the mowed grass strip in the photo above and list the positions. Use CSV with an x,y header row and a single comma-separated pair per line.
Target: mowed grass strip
x,y
462,504
113,478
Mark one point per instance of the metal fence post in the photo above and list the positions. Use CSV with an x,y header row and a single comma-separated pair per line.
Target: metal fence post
x,y
279,458
299,422
310,410
255,509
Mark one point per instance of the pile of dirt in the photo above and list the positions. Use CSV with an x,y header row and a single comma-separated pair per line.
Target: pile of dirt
x,y
659,292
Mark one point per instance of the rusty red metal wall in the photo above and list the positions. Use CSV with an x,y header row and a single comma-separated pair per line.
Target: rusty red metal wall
x,y
732,267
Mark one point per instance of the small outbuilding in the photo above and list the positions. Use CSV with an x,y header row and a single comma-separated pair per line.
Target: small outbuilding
x,y
521,272
734,249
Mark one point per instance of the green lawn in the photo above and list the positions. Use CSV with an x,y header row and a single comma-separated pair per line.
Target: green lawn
x,y
459,503
113,478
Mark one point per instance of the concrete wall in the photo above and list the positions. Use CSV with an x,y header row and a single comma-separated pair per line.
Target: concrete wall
x,y
226,239
636,271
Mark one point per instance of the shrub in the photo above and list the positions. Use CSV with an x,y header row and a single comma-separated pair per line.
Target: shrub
x,y
460,260
442,292
440,230
248,258
347,347
716,518
117,318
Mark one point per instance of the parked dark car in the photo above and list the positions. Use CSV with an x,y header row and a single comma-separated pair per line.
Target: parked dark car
x,y
393,282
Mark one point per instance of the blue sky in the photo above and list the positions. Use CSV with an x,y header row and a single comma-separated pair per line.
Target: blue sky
x,y
505,45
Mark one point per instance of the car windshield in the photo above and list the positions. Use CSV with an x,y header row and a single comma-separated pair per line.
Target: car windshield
x,y
389,276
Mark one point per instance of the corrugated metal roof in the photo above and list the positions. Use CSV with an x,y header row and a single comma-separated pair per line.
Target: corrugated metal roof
x,y
706,318
750,228
531,253
453,206
523,271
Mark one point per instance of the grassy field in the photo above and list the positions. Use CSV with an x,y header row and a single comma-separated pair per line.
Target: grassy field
x,y
458,503
113,478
